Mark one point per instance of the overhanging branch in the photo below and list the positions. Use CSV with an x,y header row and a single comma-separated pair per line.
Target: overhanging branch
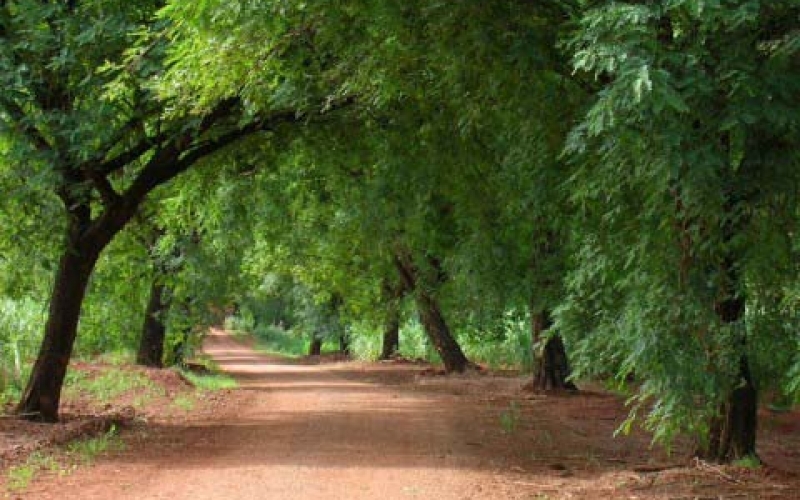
x,y
176,156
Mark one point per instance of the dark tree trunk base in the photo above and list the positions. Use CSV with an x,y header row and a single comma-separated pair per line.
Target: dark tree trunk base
x,y
391,337
439,334
344,345
732,435
551,369
315,347
151,344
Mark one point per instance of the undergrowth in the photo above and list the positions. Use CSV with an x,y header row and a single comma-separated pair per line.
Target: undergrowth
x,y
272,339
111,384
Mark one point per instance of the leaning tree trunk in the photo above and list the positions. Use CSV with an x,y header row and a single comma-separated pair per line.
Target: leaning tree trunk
x,y
391,333
431,317
550,365
86,239
151,343
439,333
42,395
732,433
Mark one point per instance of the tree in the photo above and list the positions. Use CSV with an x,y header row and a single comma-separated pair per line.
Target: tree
x,y
687,185
81,106
422,283
392,295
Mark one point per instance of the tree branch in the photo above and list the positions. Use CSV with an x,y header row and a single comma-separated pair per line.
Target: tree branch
x,y
178,155
222,110
20,118
123,159
108,194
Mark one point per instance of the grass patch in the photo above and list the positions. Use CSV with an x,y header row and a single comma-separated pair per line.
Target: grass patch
x,y
114,358
83,451
184,402
748,462
110,385
20,476
509,419
211,381
86,450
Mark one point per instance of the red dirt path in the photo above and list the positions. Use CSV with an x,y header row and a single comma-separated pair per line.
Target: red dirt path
x,y
382,430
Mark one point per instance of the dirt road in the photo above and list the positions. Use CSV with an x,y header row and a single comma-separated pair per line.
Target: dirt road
x,y
360,431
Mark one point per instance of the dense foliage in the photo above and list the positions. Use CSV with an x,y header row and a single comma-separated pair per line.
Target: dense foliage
x,y
461,173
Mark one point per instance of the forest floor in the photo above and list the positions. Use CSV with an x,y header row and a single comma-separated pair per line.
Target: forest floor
x,y
317,428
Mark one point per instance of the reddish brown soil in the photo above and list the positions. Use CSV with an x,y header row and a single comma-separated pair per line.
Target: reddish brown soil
x,y
350,430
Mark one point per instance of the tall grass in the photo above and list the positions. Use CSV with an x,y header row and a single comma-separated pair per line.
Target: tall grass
x,y
510,349
21,324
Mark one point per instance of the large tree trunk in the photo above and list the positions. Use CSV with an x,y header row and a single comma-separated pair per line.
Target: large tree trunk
x,y
86,239
431,317
391,333
439,333
550,365
42,395
151,343
732,433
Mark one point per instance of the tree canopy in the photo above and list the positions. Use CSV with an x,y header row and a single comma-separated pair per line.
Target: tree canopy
x,y
620,175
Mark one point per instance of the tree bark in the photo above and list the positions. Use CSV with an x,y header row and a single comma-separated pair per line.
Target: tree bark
x,y
151,343
432,318
315,347
344,343
551,369
732,433
391,333
42,395
439,333
392,295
